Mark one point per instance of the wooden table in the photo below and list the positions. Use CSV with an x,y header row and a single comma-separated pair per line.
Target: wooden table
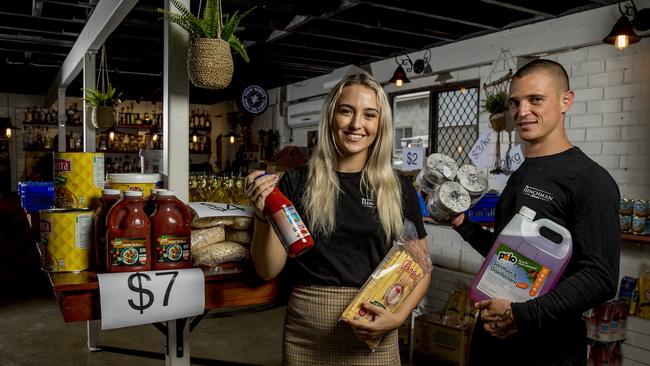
x,y
78,297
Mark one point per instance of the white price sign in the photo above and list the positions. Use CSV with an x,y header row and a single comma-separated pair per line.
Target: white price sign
x,y
413,158
214,209
133,298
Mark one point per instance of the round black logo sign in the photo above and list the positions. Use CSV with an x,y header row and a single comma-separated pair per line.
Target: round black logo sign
x,y
254,99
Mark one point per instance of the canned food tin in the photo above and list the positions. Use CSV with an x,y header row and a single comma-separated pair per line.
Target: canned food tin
x,y
65,239
641,208
78,179
626,207
626,223
441,168
449,200
474,180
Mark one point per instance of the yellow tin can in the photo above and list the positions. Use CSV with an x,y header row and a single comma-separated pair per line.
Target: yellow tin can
x,y
78,179
65,239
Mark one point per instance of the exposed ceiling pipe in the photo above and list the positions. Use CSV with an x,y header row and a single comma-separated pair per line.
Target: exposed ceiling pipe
x,y
37,8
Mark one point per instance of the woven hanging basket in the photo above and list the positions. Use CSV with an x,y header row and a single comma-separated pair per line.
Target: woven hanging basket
x,y
498,121
103,116
209,63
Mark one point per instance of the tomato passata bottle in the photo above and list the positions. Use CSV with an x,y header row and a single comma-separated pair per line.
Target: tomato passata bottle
x,y
108,199
170,232
128,239
287,224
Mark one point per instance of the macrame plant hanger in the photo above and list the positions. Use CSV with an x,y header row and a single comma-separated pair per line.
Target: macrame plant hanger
x,y
103,116
500,123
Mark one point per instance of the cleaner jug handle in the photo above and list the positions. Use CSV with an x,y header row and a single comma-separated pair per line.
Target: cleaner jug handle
x,y
559,229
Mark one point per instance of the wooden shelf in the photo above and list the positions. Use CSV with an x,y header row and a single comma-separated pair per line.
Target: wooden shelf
x,y
645,239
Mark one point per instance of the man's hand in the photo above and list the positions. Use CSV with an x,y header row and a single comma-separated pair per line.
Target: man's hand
x,y
497,318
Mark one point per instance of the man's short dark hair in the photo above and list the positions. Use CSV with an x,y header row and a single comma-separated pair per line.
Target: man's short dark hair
x,y
553,67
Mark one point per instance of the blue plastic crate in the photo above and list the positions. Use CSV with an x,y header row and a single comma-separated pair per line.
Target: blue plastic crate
x,y
484,210
36,196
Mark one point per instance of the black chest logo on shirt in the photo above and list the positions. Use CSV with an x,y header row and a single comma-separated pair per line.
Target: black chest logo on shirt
x,y
538,194
368,202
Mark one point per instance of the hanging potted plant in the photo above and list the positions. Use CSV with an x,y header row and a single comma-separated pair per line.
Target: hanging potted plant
x,y
104,112
212,35
105,99
497,105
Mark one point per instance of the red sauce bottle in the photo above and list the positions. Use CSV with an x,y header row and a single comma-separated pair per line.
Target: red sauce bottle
x,y
128,240
287,224
107,200
171,235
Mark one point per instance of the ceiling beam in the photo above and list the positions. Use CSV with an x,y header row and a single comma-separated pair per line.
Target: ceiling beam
x,y
58,20
102,22
37,8
425,14
38,31
364,55
76,5
35,40
522,9
433,35
273,56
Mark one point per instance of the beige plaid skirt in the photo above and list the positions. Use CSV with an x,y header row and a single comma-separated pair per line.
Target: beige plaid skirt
x,y
314,336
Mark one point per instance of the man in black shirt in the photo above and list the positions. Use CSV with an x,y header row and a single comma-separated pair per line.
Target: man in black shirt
x,y
559,182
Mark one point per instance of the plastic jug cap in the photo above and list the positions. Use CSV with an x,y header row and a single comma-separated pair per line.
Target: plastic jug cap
x,y
132,193
113,192
527,213
166,192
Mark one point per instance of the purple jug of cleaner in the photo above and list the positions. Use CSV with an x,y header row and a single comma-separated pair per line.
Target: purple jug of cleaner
x,y
526,260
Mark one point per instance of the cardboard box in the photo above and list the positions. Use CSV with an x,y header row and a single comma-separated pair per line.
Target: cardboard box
x,y
440,342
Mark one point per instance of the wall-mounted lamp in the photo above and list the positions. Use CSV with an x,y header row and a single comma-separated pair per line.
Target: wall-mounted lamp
x,y
420,66
622,33
8,127
232,136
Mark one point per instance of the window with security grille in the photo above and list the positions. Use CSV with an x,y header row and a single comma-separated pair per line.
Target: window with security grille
x,y
443,119
456,122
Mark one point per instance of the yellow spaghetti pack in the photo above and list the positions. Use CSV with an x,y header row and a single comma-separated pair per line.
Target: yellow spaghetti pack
x,y
392,281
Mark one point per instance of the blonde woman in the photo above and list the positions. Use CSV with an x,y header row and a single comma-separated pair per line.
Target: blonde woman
x,y
354,205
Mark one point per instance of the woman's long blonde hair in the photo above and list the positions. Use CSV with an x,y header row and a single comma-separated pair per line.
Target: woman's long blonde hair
x,y
378,177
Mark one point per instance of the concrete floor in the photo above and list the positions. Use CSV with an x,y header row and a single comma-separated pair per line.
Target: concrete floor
x,y
32,332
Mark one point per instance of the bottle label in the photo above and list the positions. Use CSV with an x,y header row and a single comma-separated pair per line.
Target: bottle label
x,y
289,226
128,252
172,248
511,275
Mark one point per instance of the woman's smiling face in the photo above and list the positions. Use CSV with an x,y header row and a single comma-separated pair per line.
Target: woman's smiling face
x,y
356,123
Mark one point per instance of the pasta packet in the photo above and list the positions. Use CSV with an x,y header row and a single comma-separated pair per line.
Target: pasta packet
x,y
406,263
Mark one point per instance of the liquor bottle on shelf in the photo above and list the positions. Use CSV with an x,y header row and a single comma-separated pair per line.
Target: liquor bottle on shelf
x,y
138,121
28,115
208,124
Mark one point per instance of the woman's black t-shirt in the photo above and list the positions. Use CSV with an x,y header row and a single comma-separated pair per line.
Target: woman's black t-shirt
x,y
358,244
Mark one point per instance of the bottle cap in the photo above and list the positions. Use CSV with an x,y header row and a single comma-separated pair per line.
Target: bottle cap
x,y
527,213
132,193
113,192
165,192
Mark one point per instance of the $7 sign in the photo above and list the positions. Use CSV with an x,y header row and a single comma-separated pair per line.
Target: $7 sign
x,y
132,298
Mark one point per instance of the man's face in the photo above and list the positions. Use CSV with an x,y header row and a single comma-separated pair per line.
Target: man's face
x,y
537,105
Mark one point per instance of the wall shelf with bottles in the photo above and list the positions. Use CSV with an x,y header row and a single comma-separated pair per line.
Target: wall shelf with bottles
x,y
638,238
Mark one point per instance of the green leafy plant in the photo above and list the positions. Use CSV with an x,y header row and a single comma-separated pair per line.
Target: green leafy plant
x,y
97,99
496,103
211,24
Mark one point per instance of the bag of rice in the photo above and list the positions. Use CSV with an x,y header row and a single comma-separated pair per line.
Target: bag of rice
x,y
205,237
238,236
217,253
206,222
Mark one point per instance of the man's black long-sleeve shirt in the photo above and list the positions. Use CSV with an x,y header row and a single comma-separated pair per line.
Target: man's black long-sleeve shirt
x,y
575,192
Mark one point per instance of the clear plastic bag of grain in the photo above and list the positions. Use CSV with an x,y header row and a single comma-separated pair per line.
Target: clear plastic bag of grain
x,y
206,222
218,253
204,237
238,236
406,263
239,222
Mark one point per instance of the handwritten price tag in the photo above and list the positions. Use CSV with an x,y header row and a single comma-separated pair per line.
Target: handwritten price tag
x,y
133,298
412,158
213,209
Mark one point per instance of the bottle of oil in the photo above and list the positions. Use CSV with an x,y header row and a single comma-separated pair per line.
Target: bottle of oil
x,y
526,260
